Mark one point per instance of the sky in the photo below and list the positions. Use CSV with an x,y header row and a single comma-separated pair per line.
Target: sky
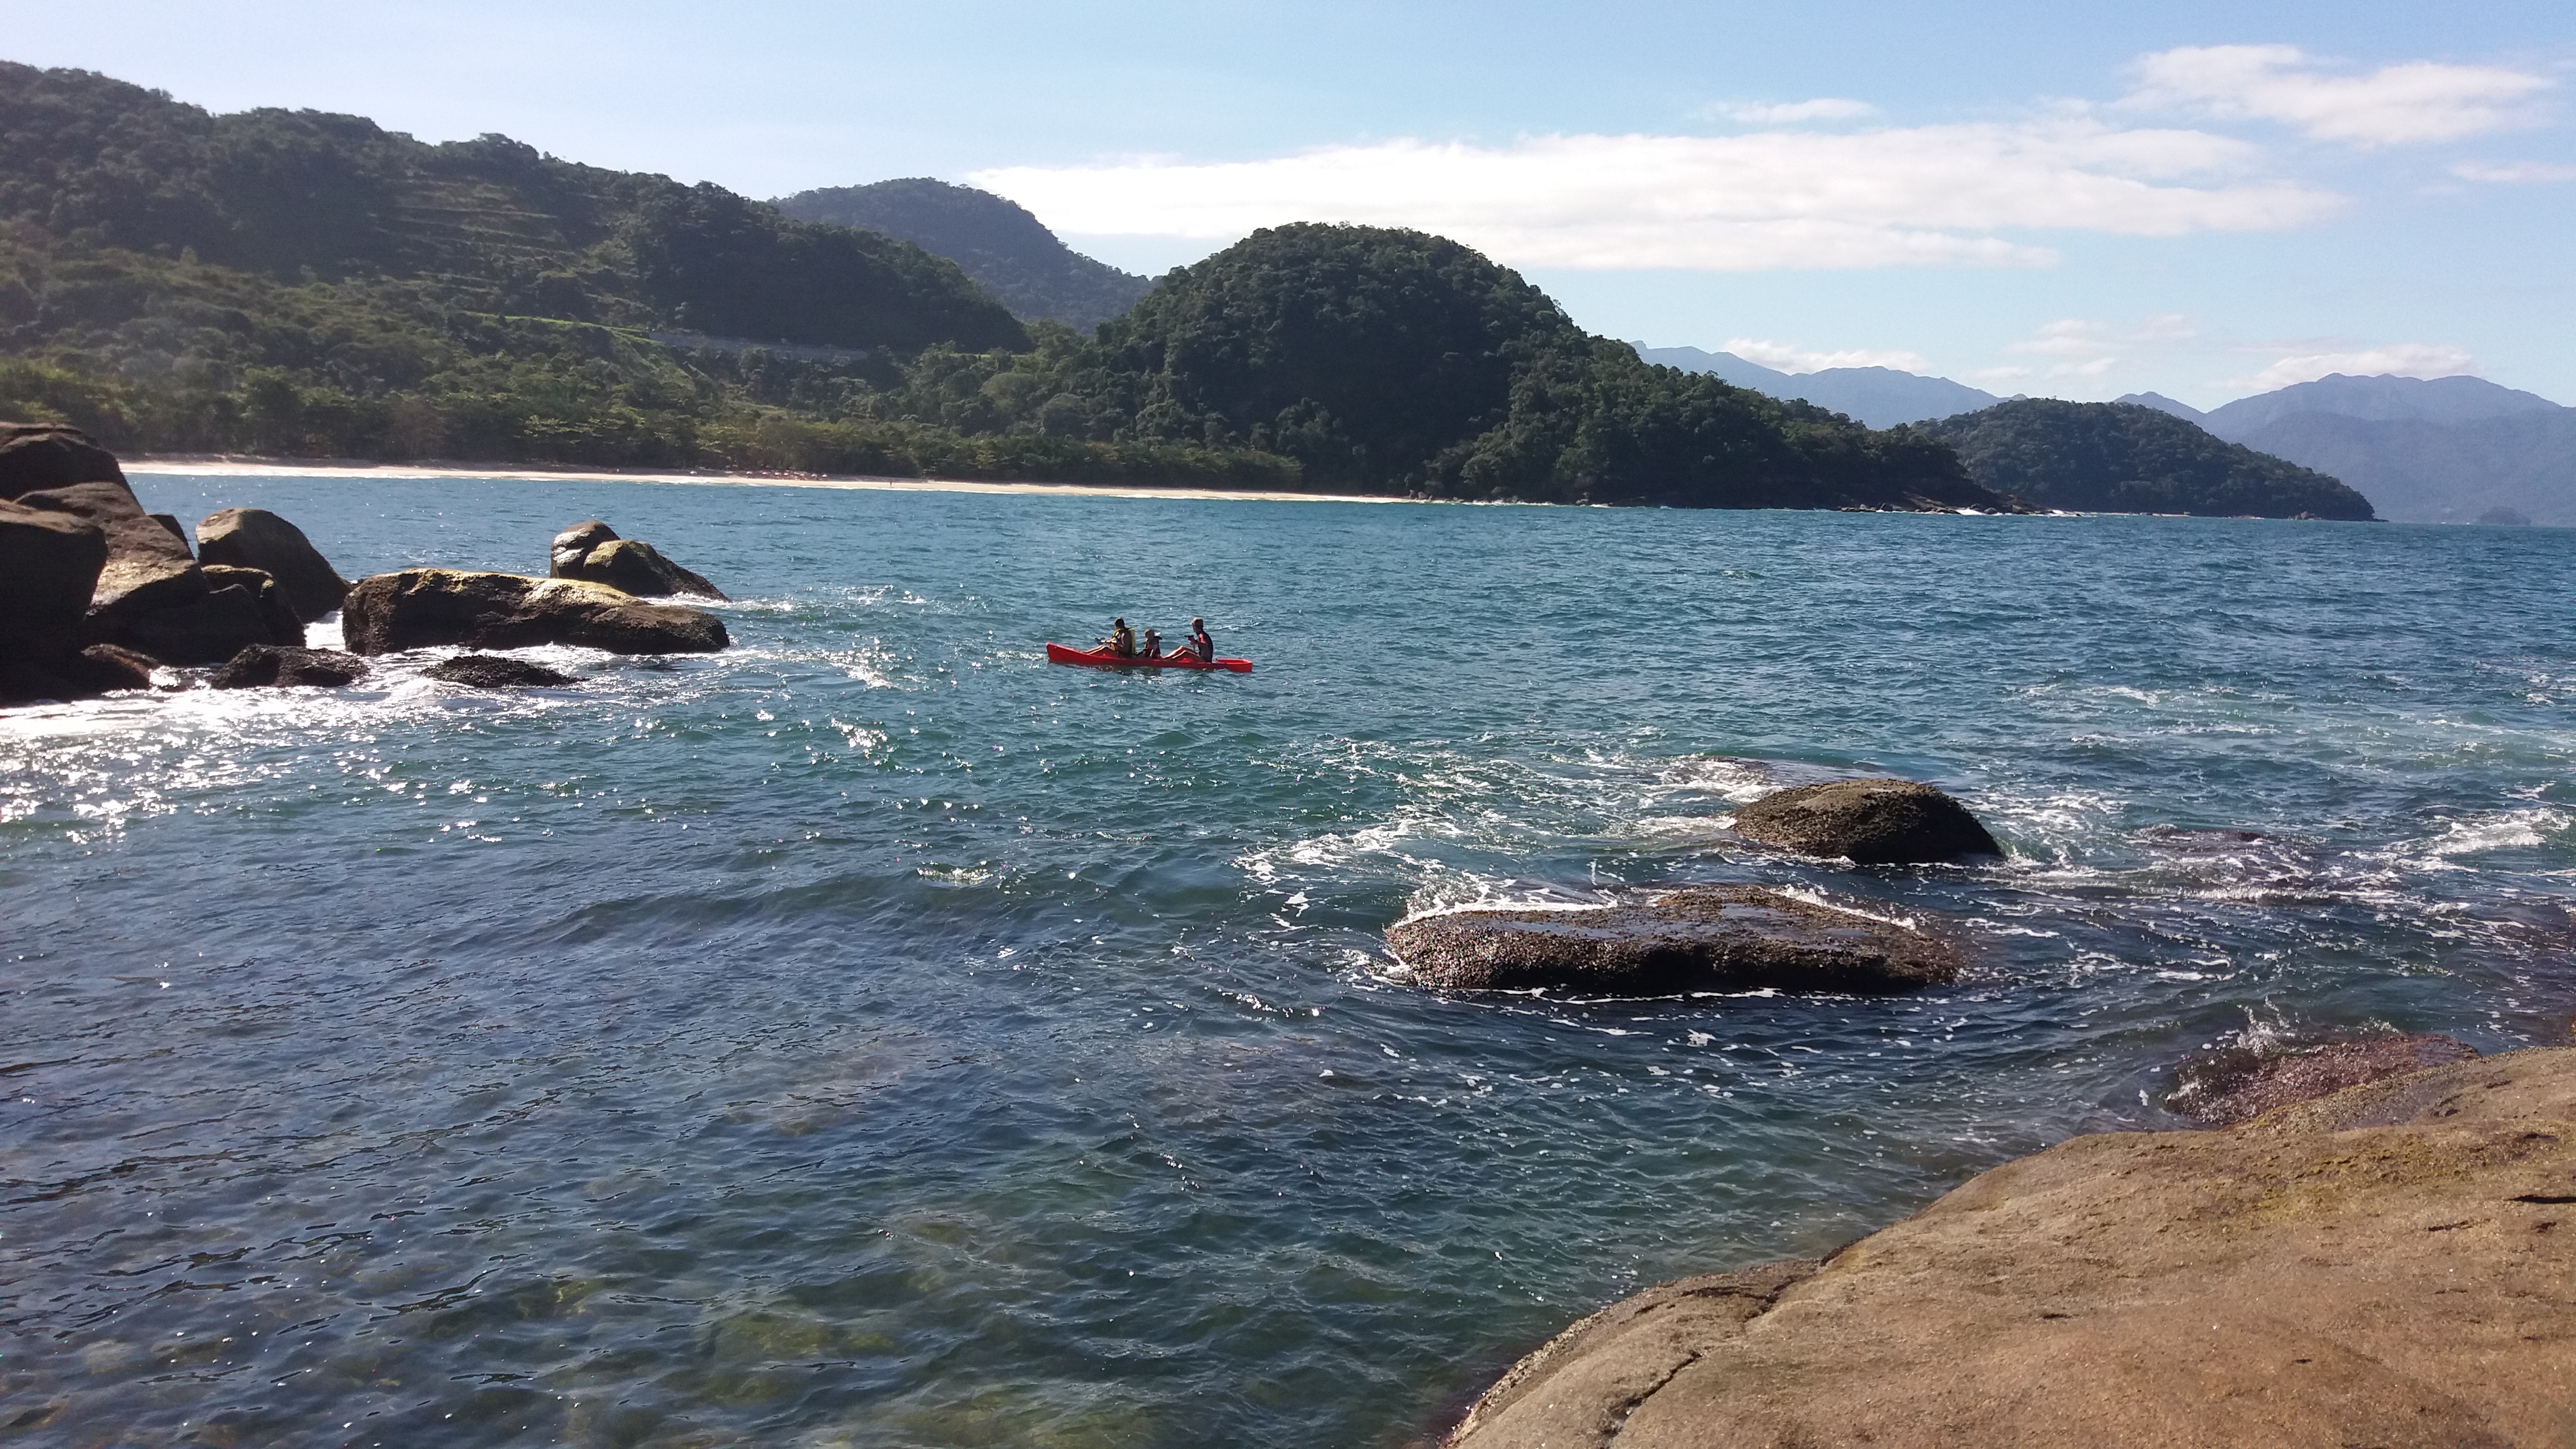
x,y
2199,199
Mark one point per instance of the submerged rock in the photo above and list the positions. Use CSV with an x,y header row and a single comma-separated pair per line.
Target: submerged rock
x,y
254,538
492,671
2386,1265
593,552
1871,822
265,665
1707,938
428,608
2225,1088
104,667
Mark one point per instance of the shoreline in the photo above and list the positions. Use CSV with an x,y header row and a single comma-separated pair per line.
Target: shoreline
x,y
198,465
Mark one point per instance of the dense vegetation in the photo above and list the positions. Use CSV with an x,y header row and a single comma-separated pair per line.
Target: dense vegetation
x,y
308,285
2123,458
1005,249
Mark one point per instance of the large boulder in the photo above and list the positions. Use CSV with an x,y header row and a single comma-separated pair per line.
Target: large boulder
x,y
593,552
37,456
1870,822
428,608
1707,938
494,671
49,564
265,665
2387,1265
254,538
148,567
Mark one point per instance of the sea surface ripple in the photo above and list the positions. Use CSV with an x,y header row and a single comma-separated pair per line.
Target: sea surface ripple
x,y
873,1035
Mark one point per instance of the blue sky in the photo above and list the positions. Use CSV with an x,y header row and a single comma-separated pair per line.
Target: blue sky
x,y
2194,198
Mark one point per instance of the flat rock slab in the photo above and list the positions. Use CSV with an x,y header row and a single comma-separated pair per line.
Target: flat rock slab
x,y
1869,822
1707,938
2388,1265
492,671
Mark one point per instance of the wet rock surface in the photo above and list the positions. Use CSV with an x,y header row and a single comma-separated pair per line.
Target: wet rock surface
x,y
2225,1088
2384,1265
429,608
492,671
1871,822
254,538
593,552
267,665
1706,938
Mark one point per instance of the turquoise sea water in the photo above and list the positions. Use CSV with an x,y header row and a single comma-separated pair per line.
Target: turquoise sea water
x,y
874,1035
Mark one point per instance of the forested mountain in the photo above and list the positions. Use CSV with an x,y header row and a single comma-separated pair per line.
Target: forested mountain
x,y
1881,397
1390,360
1010,252
2127,458
300,284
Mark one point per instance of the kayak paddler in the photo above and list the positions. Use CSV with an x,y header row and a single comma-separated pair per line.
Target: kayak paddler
x,y
1200,644
1153,643
1121,640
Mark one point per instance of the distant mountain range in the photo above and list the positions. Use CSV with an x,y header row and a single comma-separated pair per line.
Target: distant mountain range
x,y
1881,397
998,243
2437,450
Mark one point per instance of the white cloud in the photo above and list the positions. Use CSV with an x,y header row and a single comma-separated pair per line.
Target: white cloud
x,y
1782,357
2087,350
1823,108
2403,359
1760,201
2512,172
2416,101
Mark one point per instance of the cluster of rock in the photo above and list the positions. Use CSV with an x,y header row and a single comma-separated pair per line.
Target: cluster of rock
x,y
95,593
1725,938
2388,1264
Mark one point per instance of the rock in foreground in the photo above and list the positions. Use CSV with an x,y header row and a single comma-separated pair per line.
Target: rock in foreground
x,y
1708,938
254,538
593,552
264,665
492,671
2387,1265
1871,822
429,608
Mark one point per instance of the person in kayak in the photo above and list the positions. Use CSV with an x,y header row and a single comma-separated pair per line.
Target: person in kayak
x,y
1121,640
1153,643
1200,645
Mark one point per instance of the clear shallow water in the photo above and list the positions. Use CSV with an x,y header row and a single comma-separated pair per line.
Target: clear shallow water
x,y
876,1036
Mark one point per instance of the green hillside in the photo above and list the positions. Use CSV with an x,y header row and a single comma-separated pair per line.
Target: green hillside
x,y
295,284
2123,458
1005,249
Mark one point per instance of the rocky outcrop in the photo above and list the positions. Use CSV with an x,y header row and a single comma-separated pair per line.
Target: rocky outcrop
x,y
1708,938
594,553
49,562
492,671
254,538
152,595
427,608
1870,822
263,666
36,456
2224,1088
102,668
2386,1265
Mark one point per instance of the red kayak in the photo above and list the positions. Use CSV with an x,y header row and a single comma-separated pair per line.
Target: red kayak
x,y
1059,654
